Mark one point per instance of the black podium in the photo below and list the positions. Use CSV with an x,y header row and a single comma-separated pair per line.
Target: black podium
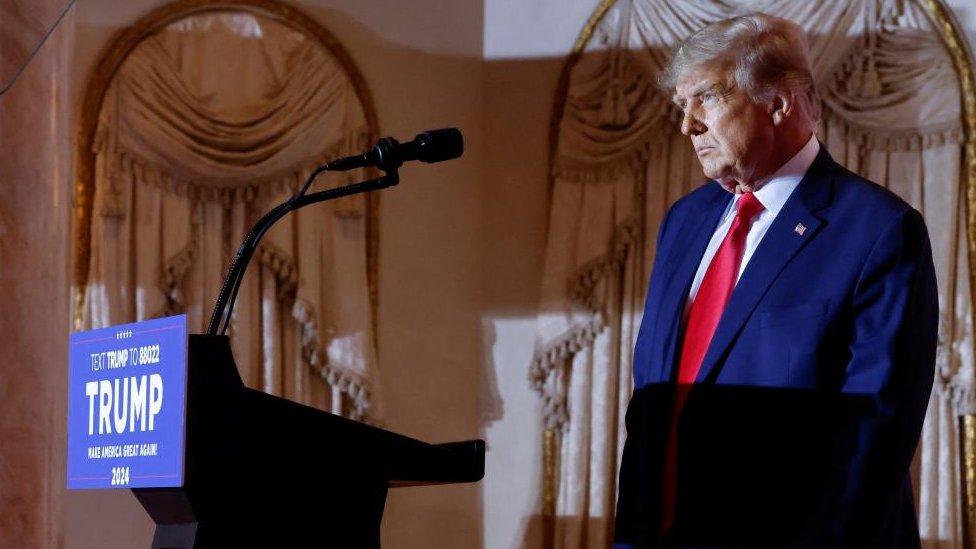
x,y
264,471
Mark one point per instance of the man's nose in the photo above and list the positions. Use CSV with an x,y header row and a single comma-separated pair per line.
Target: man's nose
x,y
691,124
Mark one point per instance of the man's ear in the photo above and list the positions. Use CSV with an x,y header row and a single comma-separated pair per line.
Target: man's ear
x,y
782,106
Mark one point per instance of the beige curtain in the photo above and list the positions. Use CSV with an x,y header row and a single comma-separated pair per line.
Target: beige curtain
x,y
892,113
208,124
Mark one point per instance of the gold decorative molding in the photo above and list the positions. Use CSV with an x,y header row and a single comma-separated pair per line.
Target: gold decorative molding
x,y
590,27
562,85
104,71
962,59
967,461
550,445
550,439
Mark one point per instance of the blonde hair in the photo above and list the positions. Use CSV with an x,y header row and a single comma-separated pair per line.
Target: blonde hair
x,y
765,55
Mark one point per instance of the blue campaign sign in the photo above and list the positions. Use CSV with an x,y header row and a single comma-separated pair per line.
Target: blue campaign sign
x,y
127,405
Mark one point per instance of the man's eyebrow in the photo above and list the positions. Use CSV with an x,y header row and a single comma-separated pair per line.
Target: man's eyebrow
x,y
699,90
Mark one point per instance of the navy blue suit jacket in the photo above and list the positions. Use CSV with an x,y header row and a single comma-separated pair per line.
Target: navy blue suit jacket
x,y
808,407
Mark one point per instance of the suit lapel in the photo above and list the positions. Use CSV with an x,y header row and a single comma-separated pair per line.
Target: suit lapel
x,y
683,260
779,245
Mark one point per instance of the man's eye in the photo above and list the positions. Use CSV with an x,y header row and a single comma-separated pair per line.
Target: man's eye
x,y
708,98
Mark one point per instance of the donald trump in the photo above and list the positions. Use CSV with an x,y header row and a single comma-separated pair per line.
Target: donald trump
x,y
787,347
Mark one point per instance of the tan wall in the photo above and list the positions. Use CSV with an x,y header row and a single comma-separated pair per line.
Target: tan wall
x,y
35,200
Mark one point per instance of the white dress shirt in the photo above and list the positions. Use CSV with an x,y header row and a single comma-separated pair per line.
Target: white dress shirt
x,y
772,194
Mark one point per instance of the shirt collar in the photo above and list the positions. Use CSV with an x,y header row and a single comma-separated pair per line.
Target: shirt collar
x,y
774,191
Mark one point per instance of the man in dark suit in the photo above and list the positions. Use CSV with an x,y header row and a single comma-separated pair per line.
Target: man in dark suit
x,y
787,348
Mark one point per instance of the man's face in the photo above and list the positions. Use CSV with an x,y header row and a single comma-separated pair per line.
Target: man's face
x,y
731,133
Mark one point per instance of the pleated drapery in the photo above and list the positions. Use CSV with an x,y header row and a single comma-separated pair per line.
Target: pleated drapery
x,y
208,123
892,112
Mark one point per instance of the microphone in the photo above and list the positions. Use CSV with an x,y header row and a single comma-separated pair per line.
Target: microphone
x,y
430,146
387,155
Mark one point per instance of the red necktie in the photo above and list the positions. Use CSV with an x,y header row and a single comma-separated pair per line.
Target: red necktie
x,y
706,310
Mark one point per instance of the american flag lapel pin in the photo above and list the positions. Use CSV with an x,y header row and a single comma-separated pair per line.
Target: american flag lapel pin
x,y
800,229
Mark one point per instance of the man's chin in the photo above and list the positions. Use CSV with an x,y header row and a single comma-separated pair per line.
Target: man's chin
x,y
720,174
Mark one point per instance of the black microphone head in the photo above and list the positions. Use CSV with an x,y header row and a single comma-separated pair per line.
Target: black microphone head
x,y
439,145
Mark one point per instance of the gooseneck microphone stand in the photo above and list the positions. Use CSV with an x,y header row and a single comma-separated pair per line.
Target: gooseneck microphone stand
x,y
224,306
252,461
